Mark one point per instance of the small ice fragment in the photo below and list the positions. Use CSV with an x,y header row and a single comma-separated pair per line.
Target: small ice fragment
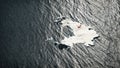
x,y
82,33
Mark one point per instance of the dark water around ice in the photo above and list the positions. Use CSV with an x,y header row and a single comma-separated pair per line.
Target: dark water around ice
x,y
25,25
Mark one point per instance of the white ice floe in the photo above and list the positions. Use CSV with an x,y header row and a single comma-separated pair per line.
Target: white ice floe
x,y
82,33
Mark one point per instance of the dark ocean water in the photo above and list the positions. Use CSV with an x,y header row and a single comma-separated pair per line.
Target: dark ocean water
x,y
25,25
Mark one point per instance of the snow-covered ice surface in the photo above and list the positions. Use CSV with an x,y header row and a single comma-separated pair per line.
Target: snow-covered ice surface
x,y
82,33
